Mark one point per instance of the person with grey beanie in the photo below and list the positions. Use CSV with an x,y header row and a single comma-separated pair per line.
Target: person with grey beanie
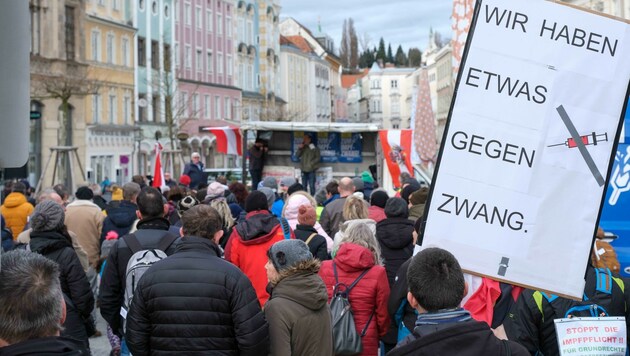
x,y
50,238
297,311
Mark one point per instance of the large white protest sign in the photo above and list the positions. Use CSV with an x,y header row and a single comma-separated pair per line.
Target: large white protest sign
x,y
591,336
529,143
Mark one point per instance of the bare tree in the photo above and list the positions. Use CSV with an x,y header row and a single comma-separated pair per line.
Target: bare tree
x,y
354,45
365,42
344,47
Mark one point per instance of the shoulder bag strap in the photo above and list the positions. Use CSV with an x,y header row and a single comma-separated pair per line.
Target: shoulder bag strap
x,y
132,241
166,241
357,280
365,329
310,238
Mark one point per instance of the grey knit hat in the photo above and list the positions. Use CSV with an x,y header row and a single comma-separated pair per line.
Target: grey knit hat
x,y
288,253
271,183
271,196
47,216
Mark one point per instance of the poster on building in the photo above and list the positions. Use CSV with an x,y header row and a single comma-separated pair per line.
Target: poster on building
x,y
328,144
525,159
397,146
351,148
591,336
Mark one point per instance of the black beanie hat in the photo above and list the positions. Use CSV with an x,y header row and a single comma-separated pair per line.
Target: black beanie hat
x,y
406,191
297,187
84,193
379,198
396,208
256,201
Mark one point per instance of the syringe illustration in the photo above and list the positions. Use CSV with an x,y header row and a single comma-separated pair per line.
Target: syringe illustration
x,y
591,139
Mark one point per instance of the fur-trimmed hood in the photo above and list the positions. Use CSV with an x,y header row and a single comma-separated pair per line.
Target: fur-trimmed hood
x,y
302,284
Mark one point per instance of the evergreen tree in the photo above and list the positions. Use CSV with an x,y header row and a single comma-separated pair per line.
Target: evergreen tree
x,y
390,55
401,58
380,54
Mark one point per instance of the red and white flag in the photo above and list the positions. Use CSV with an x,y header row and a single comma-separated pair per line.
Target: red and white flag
x,y
424,129
228,140
158,172
396,145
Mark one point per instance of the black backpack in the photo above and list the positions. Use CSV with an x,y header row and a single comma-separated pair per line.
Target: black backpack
x,y
603,296
346,340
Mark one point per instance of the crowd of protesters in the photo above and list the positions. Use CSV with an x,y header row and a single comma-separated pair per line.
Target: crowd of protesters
x,y
237,271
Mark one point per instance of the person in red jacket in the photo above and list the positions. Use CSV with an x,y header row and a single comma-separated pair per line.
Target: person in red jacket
x,y
359,251
251,239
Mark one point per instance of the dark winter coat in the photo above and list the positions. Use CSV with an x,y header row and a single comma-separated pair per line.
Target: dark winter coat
x,y
368,297
317,245
395,235
212,310
120,218
112,291
196,174
332,216
74,283
100,202
298,313
467,338
247,248
7,237
257,156
53,345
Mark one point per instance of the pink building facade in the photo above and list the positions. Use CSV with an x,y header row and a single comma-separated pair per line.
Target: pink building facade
x,y
204,62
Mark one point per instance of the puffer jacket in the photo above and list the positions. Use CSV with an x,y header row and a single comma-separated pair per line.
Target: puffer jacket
x,y
212,310
74,283
395,235
16,210
247,248
376,213
120,218
317,245
298,313
368,297
290,212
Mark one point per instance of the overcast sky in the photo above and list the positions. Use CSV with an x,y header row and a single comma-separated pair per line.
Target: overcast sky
x,y
404,22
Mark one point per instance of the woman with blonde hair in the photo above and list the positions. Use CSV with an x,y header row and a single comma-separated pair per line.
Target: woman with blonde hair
x,y
355,211
358,262
222,207
291,212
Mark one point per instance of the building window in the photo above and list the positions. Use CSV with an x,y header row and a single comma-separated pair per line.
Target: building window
x,y
35,29
195,105
96,45
187,14
241,75
155,106
376,84
198,22
209,63
228,108
229,66
125,52
228,26
220,63
141,5
184,104
110,48
250,32
154,7
112,108
198,60
142,52
188,57
96,109
69,26
394,84
142,108
209,20
115,5
126,109
219,24
167,11
206,100
177,55
155,55
167,58
101,2
217,107
395,107
241,29
176,11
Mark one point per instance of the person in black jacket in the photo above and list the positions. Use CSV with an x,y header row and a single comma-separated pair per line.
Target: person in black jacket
x,y
32,307
213,309
436,288
152,229
305,231
51,239
121,215
395,235
194,170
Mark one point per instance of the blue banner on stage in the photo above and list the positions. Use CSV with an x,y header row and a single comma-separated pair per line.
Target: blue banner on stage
x,y
333,146
351,146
